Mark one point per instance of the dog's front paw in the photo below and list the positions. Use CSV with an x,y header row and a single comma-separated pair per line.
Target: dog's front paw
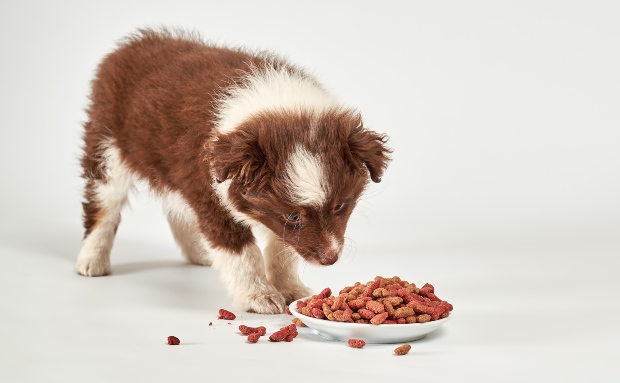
x,y
92,267
264,301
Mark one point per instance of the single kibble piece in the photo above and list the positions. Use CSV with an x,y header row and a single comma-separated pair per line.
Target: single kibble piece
x,y
375,307
298,322
356,343
225,314
287,333
402,350
289,338
379,318
245,330
423,318
173,340
253,338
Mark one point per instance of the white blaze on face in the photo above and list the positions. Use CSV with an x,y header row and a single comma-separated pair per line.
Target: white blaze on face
x,y
306,179
336,247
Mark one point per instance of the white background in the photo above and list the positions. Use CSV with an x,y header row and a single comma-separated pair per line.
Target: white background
x,y
505,123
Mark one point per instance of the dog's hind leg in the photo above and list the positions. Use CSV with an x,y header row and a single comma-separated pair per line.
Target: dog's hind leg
x,y
185,229
108,181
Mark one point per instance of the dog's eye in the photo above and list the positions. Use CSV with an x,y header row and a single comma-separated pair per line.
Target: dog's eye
x,y
293,217
338,207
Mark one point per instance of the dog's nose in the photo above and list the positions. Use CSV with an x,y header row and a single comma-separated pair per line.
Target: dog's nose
x,y
328,258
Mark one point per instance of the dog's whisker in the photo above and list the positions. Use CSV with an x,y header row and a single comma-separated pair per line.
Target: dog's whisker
x,y
350,250
302,268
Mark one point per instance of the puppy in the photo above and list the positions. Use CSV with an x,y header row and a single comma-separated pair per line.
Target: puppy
x,y
235,143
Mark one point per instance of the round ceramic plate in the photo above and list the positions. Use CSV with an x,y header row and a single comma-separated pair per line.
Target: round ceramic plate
x,y
369,333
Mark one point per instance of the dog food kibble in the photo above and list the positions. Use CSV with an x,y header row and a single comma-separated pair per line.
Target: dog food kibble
x,y
298,322
379,318
356,343
402,350
245,330
225,314
287,334
173,340
253,338
380,301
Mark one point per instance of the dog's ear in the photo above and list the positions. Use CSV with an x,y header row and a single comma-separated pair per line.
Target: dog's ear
x,y
238,156
370,149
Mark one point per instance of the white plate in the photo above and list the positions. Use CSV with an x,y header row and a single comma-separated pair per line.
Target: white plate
x,y
369,333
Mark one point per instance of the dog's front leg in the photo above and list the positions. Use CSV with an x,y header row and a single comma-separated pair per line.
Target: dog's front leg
x,y
281,263
244,276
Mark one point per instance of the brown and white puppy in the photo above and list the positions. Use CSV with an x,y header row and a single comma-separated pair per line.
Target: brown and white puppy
x,y
234,143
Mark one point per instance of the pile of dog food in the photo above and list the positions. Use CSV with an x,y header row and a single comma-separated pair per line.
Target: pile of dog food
x,y
380,301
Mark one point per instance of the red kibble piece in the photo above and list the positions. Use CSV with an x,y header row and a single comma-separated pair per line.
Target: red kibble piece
x,y
432,297
402,350
356,343
315,304
379,318
318,313
369,290
288,311
439,310
245,330
419,298
284,333
289,338
173,340
375,307
277,336
225,314
421,308
210,323
357,304
365,313
253,338
290,329
325,293
300,305
342,316
346,289
338,304
426,289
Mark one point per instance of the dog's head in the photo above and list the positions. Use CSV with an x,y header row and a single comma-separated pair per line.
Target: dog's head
x,y
300,175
